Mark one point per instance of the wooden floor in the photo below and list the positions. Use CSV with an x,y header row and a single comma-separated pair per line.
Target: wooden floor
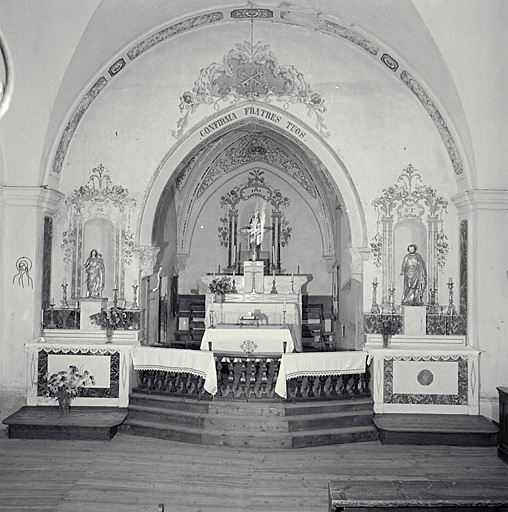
x,y
135,474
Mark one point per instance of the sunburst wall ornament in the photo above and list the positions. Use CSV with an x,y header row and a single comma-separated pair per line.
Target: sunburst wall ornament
x,y
250,71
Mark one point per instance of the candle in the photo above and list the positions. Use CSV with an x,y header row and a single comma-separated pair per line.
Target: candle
x,y
234,272
292,275
391,285
375,280
135,282
450,280
64,281
219,270
274,275
52,301
284,303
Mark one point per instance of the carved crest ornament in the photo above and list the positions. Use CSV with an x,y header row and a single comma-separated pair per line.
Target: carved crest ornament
x,y
250,71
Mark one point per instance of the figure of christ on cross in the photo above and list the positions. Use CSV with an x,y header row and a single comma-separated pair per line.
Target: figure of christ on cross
x,y
254,232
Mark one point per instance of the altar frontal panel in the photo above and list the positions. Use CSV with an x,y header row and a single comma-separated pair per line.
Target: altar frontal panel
x,y
97,365
425,377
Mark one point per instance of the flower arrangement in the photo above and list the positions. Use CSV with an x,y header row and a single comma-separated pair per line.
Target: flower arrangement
x,y
111,319
387,326
65,385
221,286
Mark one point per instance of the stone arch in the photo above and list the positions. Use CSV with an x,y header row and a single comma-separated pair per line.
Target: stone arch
x,y
313,143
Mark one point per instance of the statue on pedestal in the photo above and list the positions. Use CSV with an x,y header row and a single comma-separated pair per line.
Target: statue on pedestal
x,y
95,271
415,277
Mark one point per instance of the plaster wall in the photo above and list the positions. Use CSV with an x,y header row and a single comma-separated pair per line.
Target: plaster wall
x,y
473,41
376,124
41,37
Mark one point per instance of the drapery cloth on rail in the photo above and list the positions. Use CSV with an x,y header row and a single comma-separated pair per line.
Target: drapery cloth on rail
x,y
265,339
315,364
177,360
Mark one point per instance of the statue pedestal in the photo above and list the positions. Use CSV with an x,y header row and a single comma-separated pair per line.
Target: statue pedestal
x,y
254,277
89,306
414,320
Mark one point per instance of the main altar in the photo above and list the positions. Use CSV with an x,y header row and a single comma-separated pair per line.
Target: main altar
x,y
263,313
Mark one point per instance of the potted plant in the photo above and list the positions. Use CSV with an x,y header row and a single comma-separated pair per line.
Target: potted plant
x,y
387,326
65,385
220,287
110,319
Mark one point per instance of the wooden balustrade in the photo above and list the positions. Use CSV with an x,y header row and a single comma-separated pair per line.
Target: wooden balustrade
x,y
251,377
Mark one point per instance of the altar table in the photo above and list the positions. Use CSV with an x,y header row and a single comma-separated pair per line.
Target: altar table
x,y
267,339
315,364
177,360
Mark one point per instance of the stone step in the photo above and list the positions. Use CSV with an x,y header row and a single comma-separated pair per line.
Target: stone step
x,y
244,408
325,420
331,406
334,436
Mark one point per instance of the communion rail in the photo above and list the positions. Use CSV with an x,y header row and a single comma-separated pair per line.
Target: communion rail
x,y
249,377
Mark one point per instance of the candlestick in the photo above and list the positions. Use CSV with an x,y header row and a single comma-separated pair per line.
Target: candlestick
x,y
65,304
274,288
135,295
284,303
451,308
375,308
115,297
392,302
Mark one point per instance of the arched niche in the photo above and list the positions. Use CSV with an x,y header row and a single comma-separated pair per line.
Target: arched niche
x,y
99,235
409,212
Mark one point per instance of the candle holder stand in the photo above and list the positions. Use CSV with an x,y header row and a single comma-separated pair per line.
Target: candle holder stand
x,y
135,296
375,307
65,304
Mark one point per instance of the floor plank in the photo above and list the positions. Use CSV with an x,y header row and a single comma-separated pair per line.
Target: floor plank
x,y
135,474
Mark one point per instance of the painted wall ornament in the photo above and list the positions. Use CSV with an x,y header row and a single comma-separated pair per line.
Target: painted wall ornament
x,y
407,201
415,277
107,206
96,273
23,266
252,72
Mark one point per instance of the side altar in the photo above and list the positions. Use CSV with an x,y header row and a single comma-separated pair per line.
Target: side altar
x,y
421,373
264,310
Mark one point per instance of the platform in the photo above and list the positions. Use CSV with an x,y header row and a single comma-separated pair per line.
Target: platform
x,y
428,429
46,422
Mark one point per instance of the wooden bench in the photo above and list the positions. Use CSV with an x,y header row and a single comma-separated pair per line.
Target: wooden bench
x,y
430,495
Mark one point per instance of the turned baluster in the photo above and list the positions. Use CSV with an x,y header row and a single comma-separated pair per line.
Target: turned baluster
x,y
334,379
218,370
299,383
151,380
183,382
310,382
237,369
365,378
345,381
243,379
231,379
271,372
263,378
356,382
322,385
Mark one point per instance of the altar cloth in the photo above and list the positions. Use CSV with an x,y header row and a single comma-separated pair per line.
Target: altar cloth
x,y
233,338
315,364
178,360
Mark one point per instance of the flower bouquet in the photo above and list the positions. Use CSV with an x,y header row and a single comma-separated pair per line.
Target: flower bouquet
x,y
387,326
220,287
110,319
65,385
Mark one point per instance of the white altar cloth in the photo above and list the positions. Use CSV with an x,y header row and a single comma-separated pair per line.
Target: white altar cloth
x,y
318,363
180,361
266,339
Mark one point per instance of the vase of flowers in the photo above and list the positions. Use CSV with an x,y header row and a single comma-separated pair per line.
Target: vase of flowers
x,y
65,385
387,326
220,287
110,320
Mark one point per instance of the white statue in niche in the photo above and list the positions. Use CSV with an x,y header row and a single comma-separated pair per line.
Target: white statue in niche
x,y
415,277
95,272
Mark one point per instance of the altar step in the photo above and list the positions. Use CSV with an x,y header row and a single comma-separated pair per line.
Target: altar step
x,y
436,429
253,424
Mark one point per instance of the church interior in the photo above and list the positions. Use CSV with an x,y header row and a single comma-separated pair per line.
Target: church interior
x,y
256,235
